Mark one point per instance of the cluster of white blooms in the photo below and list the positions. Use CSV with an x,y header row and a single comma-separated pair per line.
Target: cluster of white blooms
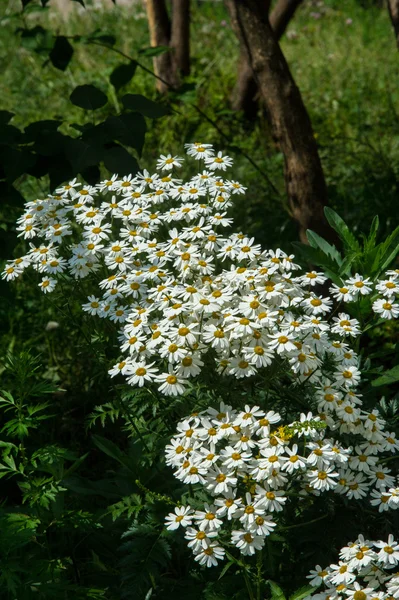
x,y
184,295
250,465
362,572
384,291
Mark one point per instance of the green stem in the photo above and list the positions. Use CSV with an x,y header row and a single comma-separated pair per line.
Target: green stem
x,y
303,524
248,584
132,423
259,568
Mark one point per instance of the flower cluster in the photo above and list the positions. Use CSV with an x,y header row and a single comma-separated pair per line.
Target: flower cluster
x,y
362,572
385,292
186,297
250,464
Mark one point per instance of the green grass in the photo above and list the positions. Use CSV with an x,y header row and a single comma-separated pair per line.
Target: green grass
x,y
346,73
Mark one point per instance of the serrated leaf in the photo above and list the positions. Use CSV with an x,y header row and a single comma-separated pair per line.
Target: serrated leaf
x,y
88,97
316,241
316,257
122,74
342,229
277,592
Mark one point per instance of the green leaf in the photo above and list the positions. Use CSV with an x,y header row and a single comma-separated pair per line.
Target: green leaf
x,y
103,37
82,155
122,74
315,256
36,129
388,252
316,241
347,263
373,230
144,106
16,162
391,376
110,449
302,592
129,129
76,465
154,51
88,97
37,39
5,116
342,229
277,592
226,568
118,160
61,53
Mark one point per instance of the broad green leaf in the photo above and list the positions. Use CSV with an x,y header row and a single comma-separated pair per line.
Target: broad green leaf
x,y
122,74
128,128
61,53
82,155
342,229
88,97
391,376
118,160
144,106
5,116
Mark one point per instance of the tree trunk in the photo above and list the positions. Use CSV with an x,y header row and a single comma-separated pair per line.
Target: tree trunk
x,y
291,126
245,92
393,8
180,37
160,30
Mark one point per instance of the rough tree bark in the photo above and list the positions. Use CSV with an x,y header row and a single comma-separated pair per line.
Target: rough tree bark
x,y
291,126
173,32
393,8
245,91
